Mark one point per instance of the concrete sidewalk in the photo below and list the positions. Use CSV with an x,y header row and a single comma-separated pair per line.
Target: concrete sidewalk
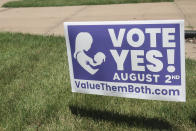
x,y
49,20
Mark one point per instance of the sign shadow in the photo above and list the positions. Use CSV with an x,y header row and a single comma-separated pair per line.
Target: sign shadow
x,y
193,118
116,118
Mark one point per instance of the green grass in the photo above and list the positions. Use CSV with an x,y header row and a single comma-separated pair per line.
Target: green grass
x,y
35,94
42,3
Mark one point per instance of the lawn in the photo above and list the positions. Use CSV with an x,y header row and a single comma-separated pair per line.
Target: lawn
x,y
35,94
42,3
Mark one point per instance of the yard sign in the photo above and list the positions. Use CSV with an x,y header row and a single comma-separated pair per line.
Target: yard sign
x,y
134,59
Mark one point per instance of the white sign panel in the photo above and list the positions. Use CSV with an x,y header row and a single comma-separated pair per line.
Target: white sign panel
x,y
134,59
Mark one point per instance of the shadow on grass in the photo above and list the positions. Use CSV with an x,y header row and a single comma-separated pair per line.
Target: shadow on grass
x,y
193,118
131,121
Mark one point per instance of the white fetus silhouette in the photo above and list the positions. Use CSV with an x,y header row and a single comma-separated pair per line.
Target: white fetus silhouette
x,y
83,43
